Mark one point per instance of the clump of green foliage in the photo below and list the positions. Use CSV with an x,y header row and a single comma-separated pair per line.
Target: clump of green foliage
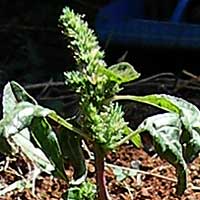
x,y
25,124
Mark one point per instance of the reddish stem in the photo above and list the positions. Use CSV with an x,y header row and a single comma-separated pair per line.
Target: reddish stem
x,y
100,176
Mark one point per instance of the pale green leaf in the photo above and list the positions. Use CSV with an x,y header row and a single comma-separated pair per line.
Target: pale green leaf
x,y
9,101
35,154
124,72
120,73
21,117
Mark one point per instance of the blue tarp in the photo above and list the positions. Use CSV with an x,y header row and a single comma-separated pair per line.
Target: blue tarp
x,y
123,23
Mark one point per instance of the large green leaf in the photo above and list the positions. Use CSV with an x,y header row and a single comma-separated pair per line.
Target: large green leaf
x,y
189,115
121,73
165,130
47,140
161,101
71,149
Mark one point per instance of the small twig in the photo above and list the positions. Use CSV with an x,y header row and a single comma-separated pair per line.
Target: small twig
x,y
191,75
142,172
129,190
42,85
45,88
194,188
62,97
150,78
185,84
13,172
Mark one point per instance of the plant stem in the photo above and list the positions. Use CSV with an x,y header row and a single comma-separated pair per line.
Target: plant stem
x,y
128,137
102,192
64,123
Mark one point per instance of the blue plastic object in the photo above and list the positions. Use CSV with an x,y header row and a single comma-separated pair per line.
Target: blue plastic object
x,y
122,22
179,11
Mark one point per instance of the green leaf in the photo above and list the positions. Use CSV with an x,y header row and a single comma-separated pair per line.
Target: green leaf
x,y
124,71
161,101
9,100
17,120
86,191
71,150
189,115
136,139
33,153
120,73
73,193
21,117
166,131
48,142
121,173
20,94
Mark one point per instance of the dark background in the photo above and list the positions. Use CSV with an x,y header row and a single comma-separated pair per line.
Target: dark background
x,y
33,50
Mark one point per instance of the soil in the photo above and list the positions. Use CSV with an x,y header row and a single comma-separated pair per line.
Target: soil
x,y
155,179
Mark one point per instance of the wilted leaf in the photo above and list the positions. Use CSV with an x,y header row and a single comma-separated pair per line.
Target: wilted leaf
x,y
165,130
190,118
18,119
21,117
33,153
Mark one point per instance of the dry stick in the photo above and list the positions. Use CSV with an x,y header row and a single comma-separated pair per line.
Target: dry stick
x,y
61,97
151,78
193,187
191,75
143,172
185,84
45,88
42,85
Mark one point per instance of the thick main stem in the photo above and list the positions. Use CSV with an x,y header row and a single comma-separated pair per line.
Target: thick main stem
x,y
100,176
